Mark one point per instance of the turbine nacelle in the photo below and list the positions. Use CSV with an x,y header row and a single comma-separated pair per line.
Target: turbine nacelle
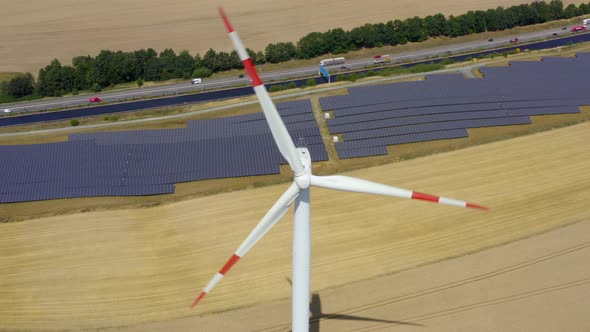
x,y
303,180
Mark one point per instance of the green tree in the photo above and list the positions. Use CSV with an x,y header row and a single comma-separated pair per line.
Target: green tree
x,y
211,60
571,11
49,82
153,69
453,27
74,122
234,60
184,64
142,58
435,25
67,79
124,67
105,71
365,36
309,46
168,61
260,59
417,31
280,52
198,61
83,67
493,21
202,72
337,41
556,10
251,54
21,85
399,33
224,61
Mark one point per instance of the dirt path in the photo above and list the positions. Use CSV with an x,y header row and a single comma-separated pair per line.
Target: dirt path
x,y
127,267
34,33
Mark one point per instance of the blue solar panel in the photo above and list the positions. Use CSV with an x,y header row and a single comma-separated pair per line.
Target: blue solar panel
x,y
149,162
402,139
344,153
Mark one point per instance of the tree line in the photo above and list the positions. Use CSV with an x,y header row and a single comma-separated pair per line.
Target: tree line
x,y
109,68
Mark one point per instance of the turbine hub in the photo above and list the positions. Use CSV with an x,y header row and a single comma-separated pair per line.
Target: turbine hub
x,y
303,180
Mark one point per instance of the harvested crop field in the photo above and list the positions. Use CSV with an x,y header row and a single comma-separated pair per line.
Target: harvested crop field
x,y
126,267
34,33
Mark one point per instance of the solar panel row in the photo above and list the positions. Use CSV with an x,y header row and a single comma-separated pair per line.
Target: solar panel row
x,y
145,162
507,96
402,139
426,127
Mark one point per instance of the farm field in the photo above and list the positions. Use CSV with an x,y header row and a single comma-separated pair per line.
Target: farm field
x,y
536,284
34,34
127,267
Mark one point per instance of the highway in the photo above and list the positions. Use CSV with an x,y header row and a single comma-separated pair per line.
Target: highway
x,y
221,83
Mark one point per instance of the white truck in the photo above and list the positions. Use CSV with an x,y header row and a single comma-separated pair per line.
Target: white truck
x,y
332,61
382,59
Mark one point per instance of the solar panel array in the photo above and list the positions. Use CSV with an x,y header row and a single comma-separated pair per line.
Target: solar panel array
x,y
149,162
370,118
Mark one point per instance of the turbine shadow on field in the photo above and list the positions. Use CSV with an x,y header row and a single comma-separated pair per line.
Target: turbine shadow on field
x,y
315,308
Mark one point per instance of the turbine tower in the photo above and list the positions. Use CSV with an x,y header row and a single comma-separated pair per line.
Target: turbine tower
x,y
298,192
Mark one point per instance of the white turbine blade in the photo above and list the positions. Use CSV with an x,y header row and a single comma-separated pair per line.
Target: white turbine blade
x,y
277,127
346,183
270,218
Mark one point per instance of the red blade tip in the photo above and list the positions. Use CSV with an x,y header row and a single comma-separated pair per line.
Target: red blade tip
x,y
198,299
475,206
225,20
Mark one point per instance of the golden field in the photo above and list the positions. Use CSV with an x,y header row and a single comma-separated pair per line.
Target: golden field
x,y
131,266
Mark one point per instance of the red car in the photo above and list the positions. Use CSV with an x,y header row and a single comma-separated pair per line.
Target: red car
x,y
578,28
377,57
95,100
514,40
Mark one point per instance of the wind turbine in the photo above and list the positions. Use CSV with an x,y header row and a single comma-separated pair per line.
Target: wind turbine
x,y
300,162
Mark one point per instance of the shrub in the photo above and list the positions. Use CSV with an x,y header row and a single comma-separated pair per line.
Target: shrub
x,y
139,82
446,61
74,122
311,82
96,87
202,72
341,78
